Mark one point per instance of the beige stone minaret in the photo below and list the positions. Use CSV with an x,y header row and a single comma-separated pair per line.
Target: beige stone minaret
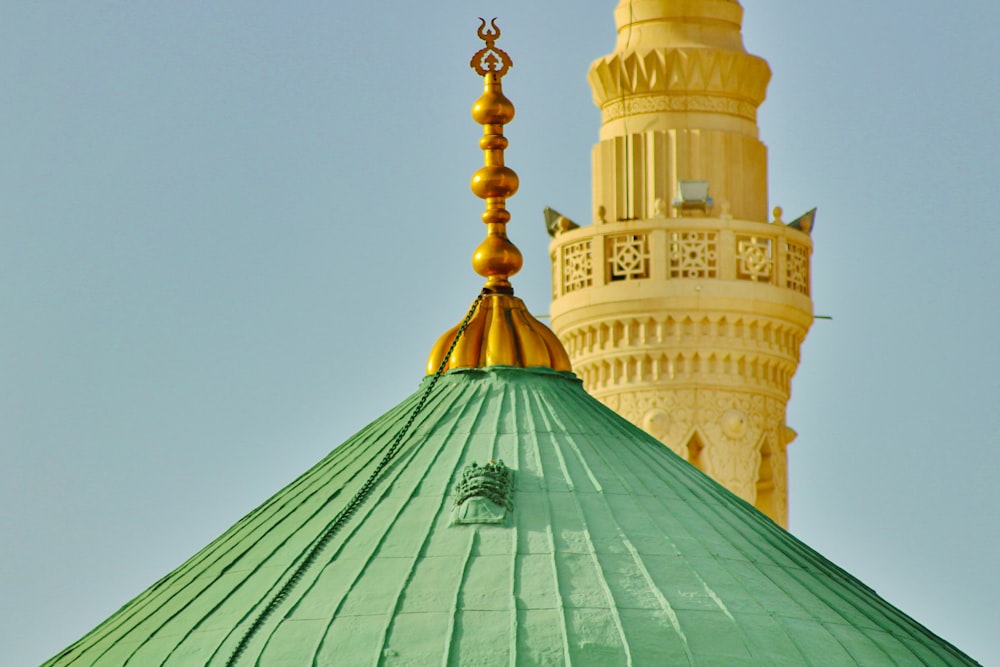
x,y
682,306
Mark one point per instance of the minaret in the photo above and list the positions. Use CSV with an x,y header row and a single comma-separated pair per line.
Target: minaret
x,y
682,306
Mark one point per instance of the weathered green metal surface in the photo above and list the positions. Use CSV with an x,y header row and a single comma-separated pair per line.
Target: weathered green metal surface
x,y
609,550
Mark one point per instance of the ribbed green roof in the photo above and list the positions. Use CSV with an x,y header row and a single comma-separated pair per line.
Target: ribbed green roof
x,y
615,552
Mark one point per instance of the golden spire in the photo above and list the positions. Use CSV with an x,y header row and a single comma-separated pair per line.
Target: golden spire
x,y
501,331
496,258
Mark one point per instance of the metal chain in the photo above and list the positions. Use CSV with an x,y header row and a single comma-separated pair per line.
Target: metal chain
x,y
356,502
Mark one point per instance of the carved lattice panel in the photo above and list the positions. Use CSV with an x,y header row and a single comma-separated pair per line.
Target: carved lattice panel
x,y
754,258
578,269
628,257
694,255
797,272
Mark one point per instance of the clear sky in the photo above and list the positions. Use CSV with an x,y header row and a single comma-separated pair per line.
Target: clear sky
x,y
230,232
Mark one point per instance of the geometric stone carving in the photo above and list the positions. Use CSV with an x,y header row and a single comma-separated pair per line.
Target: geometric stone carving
x,y
578,270
754,258
797,268
627,256
693,255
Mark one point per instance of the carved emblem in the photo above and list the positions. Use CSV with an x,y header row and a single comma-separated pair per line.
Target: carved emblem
x,y
485,494
656,422
733,423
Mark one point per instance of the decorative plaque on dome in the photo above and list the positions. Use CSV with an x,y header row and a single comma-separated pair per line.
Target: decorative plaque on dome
x,y
485,494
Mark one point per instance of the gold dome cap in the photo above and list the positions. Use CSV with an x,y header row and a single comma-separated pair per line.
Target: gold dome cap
x,y
500,330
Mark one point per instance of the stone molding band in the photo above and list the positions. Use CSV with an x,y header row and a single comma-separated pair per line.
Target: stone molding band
x,y
680,72
662,371
636,105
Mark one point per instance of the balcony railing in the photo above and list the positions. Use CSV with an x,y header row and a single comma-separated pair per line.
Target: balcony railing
x,y
681,249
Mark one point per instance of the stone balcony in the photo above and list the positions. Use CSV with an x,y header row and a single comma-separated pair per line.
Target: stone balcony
x,y
661,249
683,301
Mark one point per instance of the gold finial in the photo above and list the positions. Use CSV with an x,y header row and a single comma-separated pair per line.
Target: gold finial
x,y
500,331
496,258
487,58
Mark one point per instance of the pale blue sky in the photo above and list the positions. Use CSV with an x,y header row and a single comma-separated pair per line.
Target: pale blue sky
x,y
231,231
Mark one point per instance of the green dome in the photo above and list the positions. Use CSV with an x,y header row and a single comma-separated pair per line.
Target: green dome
x,y
590,544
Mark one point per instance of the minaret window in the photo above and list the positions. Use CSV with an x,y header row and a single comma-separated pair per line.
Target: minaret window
x,y
771,480
695,447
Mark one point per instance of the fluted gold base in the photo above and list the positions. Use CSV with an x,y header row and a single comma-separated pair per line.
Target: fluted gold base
x,y
501,333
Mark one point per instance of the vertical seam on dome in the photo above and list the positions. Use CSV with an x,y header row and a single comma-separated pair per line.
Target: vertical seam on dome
x,y
390,623
409,453
800,556
570,487
268,526
453,616
514,532
599,449
400,466
711,506
665,605
308,586
617,426
642,453
358,501
215,549
598,569
514,625
548,531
